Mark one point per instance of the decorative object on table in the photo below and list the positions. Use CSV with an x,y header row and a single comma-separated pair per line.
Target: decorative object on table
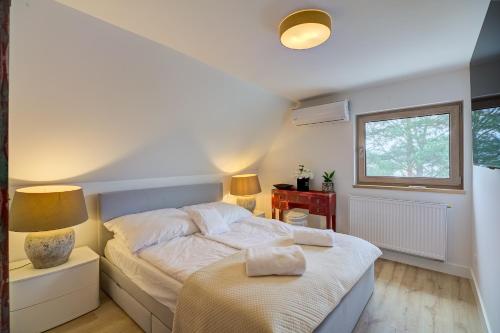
x,y
328,185
283,186
245,187
303,176
48,213
296,217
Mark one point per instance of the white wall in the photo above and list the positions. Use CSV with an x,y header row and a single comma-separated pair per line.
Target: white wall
x,y
326,147
91,103
486,244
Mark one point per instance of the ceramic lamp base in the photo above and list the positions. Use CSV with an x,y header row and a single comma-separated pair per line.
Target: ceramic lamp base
x,y
247,202
49,248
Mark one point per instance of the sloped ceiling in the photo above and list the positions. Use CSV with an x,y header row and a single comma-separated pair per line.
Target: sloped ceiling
x,y
92,102
373,41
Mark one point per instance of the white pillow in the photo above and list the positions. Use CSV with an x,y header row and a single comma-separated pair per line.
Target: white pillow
x,y
144,229
229,212
209,221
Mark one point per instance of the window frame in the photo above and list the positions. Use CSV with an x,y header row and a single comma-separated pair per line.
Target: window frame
x,y
455,181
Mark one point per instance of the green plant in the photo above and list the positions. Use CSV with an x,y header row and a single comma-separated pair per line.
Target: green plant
x,y
328,177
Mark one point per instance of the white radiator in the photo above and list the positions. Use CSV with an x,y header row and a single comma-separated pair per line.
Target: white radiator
x,y
412,227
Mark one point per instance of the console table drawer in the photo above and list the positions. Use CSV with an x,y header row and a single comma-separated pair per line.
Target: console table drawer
x,y
304,199
317,201
317,210
297,198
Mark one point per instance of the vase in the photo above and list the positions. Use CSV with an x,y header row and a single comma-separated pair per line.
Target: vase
x,y
303,184
328,187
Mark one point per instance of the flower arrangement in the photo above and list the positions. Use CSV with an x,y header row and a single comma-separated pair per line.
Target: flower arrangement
x,y
303,172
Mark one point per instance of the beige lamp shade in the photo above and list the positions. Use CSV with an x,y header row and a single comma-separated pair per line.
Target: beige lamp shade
x,y
44,208
245,184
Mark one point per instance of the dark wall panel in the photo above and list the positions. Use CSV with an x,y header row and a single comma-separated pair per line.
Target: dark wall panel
x,y
485,62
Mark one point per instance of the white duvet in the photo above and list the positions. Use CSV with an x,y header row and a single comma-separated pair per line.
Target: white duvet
x,y
254,231
182,256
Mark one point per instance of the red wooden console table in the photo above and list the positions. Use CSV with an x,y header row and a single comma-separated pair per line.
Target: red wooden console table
x,y
317,202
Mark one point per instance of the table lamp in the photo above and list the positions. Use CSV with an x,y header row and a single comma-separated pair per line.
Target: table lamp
x,y
48,213
245,187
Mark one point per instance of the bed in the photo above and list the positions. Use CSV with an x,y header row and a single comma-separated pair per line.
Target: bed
x,y
149,296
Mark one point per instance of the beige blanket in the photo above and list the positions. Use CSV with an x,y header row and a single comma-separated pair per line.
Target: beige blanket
x,y
222,298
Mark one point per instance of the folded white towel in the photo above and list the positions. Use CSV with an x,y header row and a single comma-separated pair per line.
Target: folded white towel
x,y
288,260
311,236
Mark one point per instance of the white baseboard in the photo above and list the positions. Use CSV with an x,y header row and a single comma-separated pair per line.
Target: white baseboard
x,y
480,304
434,265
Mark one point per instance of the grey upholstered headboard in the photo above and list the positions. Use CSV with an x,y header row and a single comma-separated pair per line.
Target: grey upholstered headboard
x,y
115,204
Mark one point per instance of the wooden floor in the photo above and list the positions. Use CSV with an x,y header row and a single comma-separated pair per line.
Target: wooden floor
x,y
108,318
406,299
411,299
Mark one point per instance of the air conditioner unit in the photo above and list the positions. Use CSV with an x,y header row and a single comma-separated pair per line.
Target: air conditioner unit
x,y
326,113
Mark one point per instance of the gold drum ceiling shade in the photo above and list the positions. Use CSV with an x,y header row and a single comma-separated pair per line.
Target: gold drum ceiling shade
x,y
305,29
44,208
245,185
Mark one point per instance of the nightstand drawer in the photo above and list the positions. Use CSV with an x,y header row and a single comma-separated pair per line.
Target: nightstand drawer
x,y
30,291
43,316
43,298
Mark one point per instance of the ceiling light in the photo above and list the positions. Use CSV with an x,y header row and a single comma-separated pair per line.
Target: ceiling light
x,y
305,29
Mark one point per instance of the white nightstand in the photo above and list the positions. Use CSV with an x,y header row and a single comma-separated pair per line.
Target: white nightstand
x,y
44,298
259,213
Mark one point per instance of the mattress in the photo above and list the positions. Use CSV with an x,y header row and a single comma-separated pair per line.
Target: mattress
x,y
159,285
160,270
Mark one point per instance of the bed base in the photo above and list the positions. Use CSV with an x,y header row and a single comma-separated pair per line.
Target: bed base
x,y
345,316
154,317
147,312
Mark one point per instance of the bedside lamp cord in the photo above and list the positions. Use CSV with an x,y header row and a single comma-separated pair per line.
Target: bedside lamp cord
x,y
13,269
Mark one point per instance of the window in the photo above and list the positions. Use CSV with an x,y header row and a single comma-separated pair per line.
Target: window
x,y
486,131
411,147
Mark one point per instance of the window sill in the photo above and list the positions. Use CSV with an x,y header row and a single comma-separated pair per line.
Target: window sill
x,y
413,189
